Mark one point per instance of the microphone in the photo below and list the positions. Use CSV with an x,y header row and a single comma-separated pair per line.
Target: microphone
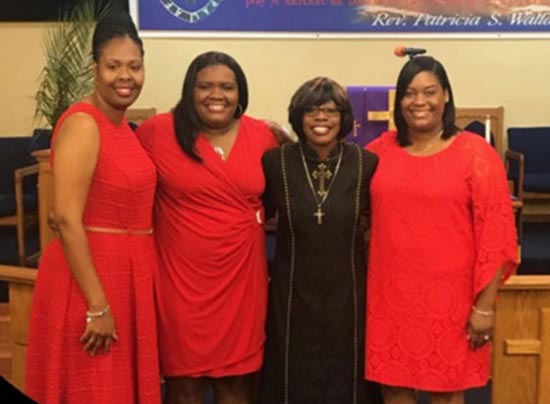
x,y
402,51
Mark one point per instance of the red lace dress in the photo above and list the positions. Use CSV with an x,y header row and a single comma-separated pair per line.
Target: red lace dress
x,y
442,225
120,197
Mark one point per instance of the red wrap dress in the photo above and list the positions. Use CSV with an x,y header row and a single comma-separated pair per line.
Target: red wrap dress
x,y
211,287
442,225
120,197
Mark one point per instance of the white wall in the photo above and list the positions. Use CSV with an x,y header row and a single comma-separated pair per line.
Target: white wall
x,y
512,73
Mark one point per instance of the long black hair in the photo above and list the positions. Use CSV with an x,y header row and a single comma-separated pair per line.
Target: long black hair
x,y
186,121
408,72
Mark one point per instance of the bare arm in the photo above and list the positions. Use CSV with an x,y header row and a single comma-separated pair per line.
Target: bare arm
x,y
486,298
76,149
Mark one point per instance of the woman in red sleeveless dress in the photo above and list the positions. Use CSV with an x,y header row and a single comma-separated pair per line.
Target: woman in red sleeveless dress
x,y
92,336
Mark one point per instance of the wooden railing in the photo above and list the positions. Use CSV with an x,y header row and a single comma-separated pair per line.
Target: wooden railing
x,y
21,284
521,347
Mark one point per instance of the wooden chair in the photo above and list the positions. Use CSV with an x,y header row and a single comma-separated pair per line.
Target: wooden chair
x,y
20,219
529,155
18,197
45,196
466,116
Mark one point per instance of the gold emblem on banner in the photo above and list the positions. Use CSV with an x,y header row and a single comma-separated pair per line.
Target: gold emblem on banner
x,y
203,9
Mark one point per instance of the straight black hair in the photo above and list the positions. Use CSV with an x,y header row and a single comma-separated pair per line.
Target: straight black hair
x,y
187,124
408,72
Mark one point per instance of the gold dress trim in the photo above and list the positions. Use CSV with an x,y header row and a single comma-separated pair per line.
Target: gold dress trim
x,y
113,230
293,267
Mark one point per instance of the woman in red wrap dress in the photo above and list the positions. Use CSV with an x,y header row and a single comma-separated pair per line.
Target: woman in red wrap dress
x,y
442,240
92,335
211,287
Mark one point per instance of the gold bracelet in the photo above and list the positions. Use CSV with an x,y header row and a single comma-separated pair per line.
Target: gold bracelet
x,y
483,312
100,313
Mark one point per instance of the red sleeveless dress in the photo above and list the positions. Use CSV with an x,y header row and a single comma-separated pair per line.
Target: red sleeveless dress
x,y
120,197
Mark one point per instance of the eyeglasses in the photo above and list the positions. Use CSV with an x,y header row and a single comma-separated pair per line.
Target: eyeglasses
x,y
328,111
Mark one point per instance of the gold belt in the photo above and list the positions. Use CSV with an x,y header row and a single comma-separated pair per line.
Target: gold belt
x,y
111,230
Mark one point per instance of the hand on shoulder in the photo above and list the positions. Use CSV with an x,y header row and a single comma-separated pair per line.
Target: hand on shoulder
x,y
280,134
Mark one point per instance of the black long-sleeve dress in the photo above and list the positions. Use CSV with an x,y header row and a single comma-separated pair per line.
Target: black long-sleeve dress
x,y
316,318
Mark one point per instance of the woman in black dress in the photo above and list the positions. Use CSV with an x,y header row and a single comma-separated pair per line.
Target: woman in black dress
x,y
319,187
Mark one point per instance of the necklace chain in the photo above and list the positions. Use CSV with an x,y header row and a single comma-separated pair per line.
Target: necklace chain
x,y
220,152
430,144
319,212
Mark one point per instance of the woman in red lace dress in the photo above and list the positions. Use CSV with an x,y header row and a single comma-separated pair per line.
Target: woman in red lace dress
x,y
93,329
443,238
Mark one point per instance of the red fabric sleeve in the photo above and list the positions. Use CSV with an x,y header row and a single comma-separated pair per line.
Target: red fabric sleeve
x,y
381,143
146,131
494,226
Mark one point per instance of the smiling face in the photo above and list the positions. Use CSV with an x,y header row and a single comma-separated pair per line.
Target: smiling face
x,y
119,73
423,104
216,96
321,126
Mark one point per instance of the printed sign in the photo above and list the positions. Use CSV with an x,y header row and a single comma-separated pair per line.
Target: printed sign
x,y
343,16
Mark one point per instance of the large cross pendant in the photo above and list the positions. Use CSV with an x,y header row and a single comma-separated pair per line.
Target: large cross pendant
x,y
322,174
319,214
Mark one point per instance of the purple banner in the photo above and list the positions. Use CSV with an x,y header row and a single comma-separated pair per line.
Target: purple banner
x,y
372,109
343,16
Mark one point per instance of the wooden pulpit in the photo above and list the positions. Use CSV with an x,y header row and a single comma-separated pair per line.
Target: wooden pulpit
x,y
21,285
521,346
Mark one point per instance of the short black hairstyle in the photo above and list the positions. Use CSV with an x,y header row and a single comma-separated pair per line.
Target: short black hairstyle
x,y
118,25
186,121
408,72
316,92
